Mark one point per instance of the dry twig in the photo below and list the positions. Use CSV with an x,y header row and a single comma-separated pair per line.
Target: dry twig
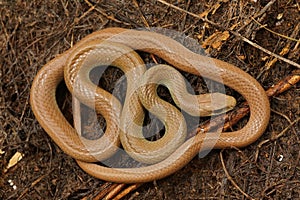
x,y
104,189
283,36
231,179
275,137
33,184
102,12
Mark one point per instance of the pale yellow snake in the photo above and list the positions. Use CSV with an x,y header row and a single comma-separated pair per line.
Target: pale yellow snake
x,y
94,50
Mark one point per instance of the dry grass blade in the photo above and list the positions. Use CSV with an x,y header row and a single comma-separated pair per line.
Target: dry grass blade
x,y
32,185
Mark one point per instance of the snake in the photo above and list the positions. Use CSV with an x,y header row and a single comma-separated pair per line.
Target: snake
x,y
116,47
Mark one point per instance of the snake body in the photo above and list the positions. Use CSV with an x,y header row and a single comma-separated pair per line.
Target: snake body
x,y
167,154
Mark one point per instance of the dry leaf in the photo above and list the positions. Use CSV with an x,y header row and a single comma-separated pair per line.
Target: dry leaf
x,y
204,14
216,40
265,58
242,57
279,16
284,51
2,152
213,9
14,160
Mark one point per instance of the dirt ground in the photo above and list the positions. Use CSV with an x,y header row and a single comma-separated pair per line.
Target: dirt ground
x,y
33,32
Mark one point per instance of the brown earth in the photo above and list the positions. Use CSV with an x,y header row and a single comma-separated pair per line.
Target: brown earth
x,y
33,32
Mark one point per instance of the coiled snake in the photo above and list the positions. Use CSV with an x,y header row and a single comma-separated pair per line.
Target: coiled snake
x,y
114,46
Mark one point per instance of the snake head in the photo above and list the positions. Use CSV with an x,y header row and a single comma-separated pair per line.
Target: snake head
x,y
220,103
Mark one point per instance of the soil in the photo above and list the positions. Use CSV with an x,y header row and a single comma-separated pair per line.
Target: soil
x,y
34,32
